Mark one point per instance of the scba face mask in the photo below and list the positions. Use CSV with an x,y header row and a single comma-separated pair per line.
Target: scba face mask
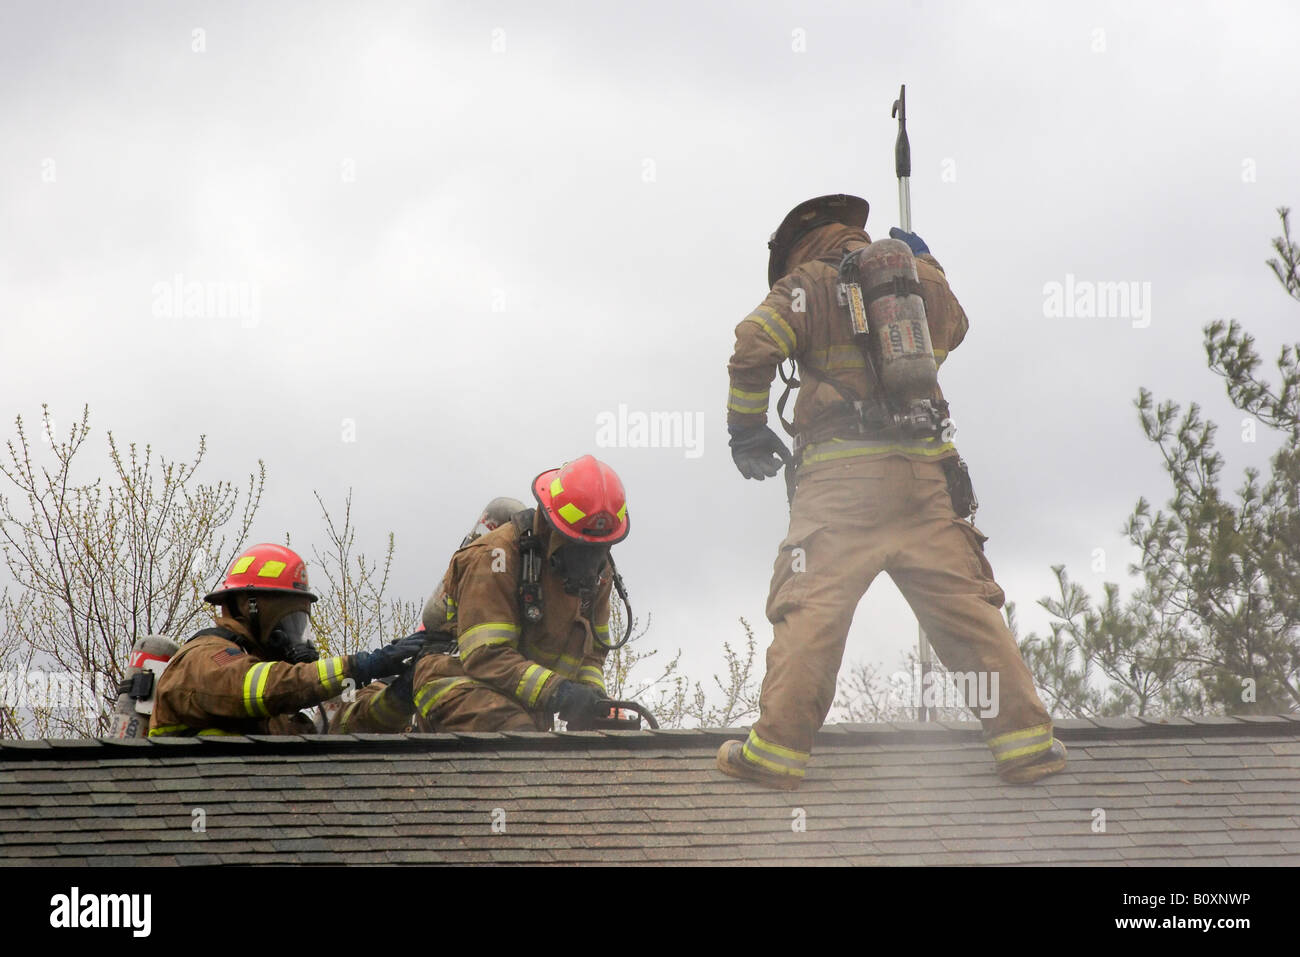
x,y
292,638
580,566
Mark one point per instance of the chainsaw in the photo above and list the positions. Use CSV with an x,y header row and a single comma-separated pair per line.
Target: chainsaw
x,y
623,716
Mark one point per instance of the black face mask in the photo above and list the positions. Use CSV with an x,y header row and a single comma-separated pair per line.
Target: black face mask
x,y
291,638
579,566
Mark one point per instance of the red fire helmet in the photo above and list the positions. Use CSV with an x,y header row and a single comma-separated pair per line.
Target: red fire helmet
x,y
265,568
584,501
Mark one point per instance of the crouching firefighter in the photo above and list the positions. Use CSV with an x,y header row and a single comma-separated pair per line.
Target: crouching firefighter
x,y
521,629
386,707
879,484
258,666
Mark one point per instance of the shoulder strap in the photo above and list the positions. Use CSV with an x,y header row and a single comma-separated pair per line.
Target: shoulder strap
x,y
218,631
530,565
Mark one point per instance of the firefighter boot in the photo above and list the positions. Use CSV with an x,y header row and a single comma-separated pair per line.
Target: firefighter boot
x,y
1035,766
731,761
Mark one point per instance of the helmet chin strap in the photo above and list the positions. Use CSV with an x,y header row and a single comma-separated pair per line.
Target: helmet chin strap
x,y
254,620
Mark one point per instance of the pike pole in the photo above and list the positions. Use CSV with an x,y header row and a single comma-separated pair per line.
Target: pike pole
x,y
903,170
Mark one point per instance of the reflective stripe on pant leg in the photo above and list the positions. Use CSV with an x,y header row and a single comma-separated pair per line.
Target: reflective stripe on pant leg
x,y
169,729
383,709
435,691
774,758
346,720
1019,744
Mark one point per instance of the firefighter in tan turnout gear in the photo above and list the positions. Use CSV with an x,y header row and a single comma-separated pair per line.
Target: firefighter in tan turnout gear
x,y
256,669
524,612
879,488
388,708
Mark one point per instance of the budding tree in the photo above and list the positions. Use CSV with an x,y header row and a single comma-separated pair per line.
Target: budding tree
x,y
96,564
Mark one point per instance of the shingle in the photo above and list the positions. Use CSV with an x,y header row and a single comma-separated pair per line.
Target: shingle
x,y
877,796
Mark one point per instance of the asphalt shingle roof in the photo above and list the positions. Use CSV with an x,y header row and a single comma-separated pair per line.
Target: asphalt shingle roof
x,y
1186,791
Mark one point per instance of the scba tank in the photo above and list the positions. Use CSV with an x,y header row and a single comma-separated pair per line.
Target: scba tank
x,y
149,657
895,319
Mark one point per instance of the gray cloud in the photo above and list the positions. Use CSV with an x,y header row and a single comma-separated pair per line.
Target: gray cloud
x,y
472,255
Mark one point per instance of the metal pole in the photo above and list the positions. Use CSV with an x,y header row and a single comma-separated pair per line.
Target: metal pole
x,y
903,170
903,161
927,665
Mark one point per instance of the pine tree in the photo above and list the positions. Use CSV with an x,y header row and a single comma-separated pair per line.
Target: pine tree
x,y
1215,623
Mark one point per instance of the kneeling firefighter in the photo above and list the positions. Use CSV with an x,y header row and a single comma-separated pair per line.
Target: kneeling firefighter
x,y
387,708
258,666
879,484
522,626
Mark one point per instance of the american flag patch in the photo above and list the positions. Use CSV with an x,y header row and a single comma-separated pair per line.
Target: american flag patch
x,y
227,653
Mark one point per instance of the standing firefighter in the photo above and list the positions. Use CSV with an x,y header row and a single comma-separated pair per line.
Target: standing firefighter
x,y
880,486
524,612
256,669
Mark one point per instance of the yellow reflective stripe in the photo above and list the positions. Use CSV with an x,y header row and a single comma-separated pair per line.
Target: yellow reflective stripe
x,y
1017,744
567,665
210,732
590,674
254,686
166,729
385,710
849,448
747,403
622,512
241,565
271,569
773,757
1001,740
939,356
571,513
331,673
777,329
435,691
530,685
556,487
346,720
837,357
488,633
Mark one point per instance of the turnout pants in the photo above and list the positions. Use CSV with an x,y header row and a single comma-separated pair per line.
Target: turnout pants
x,y
447,699
850,521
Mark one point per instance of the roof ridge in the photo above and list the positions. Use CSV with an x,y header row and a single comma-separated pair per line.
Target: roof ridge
x,y
845,733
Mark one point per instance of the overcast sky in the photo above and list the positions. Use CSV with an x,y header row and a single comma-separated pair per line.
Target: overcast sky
x,y
466,231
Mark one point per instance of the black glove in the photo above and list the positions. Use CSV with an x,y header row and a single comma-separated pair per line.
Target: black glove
x,y
402,691
758,452
369,665
578,705
916,242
